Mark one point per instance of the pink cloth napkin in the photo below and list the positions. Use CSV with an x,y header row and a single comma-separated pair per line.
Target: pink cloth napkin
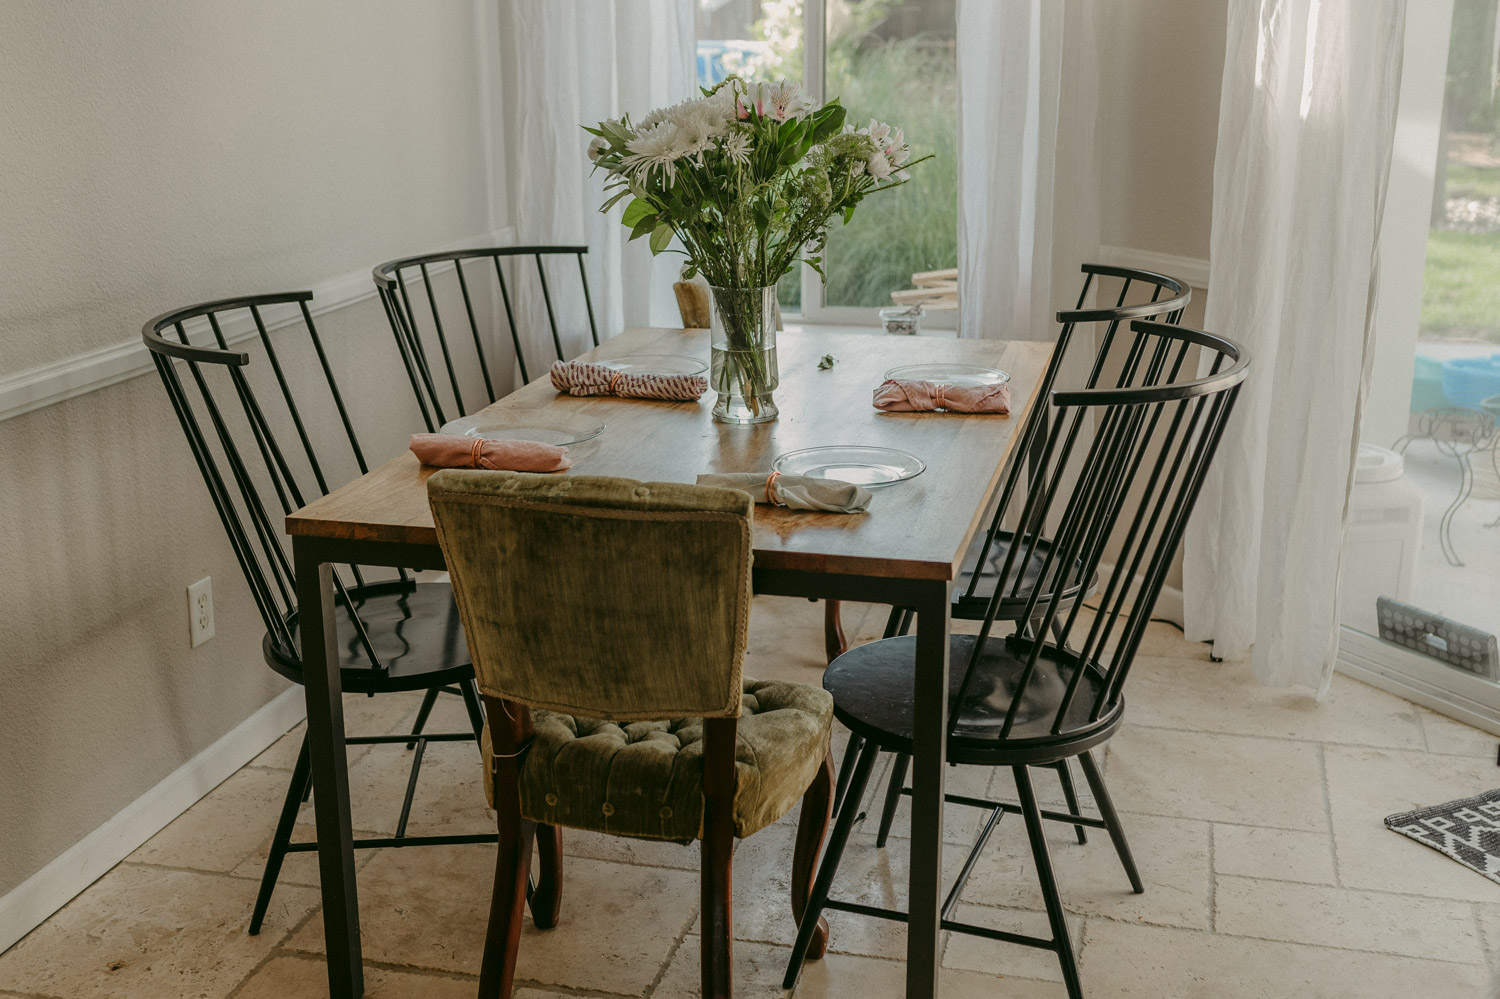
x,y
901,396
451,451
584,378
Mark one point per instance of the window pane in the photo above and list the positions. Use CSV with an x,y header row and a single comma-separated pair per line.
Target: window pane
x,y
753,38
895,61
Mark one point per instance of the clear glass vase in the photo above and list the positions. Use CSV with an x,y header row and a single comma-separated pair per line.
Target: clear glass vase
x,y
743,370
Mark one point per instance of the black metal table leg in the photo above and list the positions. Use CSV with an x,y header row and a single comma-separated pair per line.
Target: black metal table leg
x,y
930,737
330,771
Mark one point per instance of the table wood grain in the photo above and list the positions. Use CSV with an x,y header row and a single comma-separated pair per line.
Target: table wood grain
x,y
917,529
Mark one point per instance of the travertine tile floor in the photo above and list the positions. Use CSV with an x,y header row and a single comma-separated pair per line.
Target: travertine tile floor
x,y
1255,815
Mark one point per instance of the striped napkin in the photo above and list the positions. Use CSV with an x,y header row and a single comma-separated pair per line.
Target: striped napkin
x,y
584,378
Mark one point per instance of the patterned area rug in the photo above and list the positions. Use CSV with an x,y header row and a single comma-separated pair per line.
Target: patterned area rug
x,y
1468,830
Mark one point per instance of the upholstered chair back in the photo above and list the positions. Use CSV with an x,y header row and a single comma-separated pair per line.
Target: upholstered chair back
x,y
601,597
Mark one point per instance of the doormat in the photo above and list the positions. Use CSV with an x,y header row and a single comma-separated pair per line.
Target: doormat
x,y
1468,830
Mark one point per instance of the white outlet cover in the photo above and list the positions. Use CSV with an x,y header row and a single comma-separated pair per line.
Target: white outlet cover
x,y
200,598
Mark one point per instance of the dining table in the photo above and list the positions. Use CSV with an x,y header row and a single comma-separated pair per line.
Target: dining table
x,y
905,551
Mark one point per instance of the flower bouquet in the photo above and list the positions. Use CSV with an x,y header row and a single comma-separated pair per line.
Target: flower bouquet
x,y
748,178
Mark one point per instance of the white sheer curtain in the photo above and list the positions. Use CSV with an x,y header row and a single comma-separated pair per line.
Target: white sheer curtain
x,y
1306,124
1028,210
576,62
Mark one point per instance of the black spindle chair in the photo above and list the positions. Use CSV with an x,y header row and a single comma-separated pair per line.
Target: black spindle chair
x,y
396,634
1141,295
1118,473
438,361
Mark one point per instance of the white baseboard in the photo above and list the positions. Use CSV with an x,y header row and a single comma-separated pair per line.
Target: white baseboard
x,y
46,384
26,906
1169,605
1193,270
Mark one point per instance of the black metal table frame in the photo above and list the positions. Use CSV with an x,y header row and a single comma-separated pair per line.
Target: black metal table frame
x,y
313,556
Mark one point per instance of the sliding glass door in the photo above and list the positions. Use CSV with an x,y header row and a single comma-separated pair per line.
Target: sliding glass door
x,y
1421,607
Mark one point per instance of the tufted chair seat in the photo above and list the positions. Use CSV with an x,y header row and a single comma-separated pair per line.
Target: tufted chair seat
x,y
645,778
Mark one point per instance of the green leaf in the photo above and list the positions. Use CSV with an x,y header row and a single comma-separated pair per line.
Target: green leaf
x,y
642,227
614,199
636,210
592,131
761,212
829,125
660,237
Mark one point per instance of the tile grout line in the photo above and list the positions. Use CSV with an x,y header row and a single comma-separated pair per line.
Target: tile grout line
x,y
1479,929
682,935
1213,882
1276,738
1333,842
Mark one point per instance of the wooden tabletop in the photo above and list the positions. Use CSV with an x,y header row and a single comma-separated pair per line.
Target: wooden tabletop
x,y
918,529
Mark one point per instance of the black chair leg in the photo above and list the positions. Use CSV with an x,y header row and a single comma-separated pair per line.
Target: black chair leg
x,y
830,865
1111,820
1061,942
1070,795
426,709
846,770
892,797
470,691
301,779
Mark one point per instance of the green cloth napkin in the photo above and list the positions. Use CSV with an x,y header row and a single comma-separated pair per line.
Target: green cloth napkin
x,y
795,492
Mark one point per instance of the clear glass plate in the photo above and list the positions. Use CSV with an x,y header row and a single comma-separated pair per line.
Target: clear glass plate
x,y
657,364
871,467
950,374
500,429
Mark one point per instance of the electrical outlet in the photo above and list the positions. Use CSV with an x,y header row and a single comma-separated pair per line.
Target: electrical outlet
x,y
201,611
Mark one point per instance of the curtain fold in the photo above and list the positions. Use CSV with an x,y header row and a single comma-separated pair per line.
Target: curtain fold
x,y
1028,203
571,63
1306,125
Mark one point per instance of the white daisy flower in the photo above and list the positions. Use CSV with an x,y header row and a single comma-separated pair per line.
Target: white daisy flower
x,y
737,147
661,145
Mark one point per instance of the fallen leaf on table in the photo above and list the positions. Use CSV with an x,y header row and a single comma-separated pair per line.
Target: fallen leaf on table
x,y
827,361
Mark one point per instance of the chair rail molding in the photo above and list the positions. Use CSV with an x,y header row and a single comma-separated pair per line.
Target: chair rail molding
x,y
46,384
28,905
1193,270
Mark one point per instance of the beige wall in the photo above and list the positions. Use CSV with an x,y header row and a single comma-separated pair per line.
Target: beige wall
x,y
154,154
1161,63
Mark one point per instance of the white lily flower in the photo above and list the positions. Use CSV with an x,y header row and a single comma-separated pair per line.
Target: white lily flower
x,y
878,165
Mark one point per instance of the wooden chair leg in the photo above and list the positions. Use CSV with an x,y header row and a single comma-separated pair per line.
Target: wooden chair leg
x,y
812,829
546,900
716,885
834,642
512,863
510,729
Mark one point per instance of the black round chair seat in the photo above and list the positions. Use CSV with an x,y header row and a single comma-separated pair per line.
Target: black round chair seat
x,y
872,695
1013,606
414,629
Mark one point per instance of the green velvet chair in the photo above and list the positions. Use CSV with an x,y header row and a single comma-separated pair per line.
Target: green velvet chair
x,y
607,620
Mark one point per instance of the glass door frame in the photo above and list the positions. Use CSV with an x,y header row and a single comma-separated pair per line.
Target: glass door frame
x,y
814,310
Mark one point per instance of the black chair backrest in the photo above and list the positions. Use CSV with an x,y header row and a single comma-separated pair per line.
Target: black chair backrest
x,y
1154,428
1143,295
237,476
394,280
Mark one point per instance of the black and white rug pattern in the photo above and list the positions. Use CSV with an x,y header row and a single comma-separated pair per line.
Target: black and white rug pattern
x,y
1468,830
